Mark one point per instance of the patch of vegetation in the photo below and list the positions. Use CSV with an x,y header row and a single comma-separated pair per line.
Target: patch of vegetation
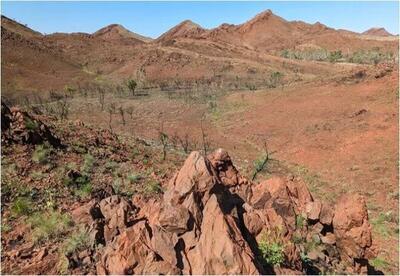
x,y
131,84
88,163
379,263
49,225
21,206
262,162
133,178
313,181
297,238
271,247
300,221
37,175
373,56
111,166
5,227
121,188
84,190
41,154
381,225
275,79
335,56
152,187
79,240
31,124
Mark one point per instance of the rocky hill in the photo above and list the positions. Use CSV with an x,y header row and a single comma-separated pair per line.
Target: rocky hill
x,y
377,32
181,58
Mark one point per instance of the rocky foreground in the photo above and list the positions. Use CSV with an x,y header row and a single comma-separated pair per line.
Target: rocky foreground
x,y
209,220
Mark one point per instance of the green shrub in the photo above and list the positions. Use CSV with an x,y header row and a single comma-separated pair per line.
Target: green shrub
x,y
271,247
37,175
88,163
335,56
30,124
131,84
111,166
41,154
21,206
49,225
152,187
380,224
133,178
79,240
84,190
300,221
275,79
379,263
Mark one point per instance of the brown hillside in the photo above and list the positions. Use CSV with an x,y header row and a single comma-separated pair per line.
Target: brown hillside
x,y
377,32
182,57
116,31
18,28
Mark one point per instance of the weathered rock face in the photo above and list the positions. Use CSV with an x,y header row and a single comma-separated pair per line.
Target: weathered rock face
x,y
18,126
211,220
352,229
221,248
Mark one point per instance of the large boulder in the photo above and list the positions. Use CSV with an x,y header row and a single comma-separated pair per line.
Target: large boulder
x,y
115,212
351,226
221,248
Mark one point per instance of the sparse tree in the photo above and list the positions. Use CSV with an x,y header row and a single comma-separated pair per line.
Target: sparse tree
x,y
163,137
261,163
63,107
204,137
275,79
131,84
185,142
121,112
111,111
101,95
129,110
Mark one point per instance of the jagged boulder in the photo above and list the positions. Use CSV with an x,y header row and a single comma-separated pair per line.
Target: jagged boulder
x,y
221,248
18,126
115,212
351,227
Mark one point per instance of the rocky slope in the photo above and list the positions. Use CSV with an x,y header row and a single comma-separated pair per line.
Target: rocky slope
x,y
208,219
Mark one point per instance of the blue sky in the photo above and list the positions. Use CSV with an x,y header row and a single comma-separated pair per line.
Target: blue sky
x,y
154,18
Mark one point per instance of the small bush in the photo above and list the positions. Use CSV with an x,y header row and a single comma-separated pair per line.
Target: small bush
x,y
380,224
335,56
379,263
84,190
87,164
111,166
30,124
300,221
41,154
133,178
275,79
152,187
21,206
49,225
78,241
37,175
271,247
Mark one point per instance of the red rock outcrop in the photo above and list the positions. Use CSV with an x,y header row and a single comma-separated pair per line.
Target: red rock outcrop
x,y
18,126
211,220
